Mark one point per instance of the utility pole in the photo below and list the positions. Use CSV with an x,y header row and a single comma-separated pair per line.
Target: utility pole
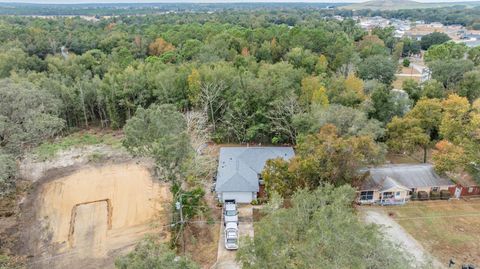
x,y
179,206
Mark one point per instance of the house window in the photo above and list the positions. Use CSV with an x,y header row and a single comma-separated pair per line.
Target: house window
x,y
435,189
366,195
387,195
470,189
397,194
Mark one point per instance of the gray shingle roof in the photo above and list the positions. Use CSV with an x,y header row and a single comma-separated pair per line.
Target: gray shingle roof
x,y
238,167
390,183
407,175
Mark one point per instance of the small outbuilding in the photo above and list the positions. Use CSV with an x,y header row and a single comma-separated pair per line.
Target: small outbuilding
x,y
239,171
397,183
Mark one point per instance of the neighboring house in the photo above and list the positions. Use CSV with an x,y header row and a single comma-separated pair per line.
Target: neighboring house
x,y
239,169
394,184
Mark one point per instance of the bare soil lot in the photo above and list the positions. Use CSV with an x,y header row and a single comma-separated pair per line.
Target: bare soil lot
x,y
87,217
447,229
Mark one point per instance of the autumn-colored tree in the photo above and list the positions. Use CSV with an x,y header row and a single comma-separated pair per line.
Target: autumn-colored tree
x,y
455,119
194,87
353,83
319,97
159,47
405,134
448,157
322,65
313,92
417,129
322,158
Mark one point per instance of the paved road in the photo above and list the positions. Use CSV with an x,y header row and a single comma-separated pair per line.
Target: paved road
x,y
226,258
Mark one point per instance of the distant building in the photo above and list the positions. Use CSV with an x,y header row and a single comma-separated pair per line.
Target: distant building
x,y
239,169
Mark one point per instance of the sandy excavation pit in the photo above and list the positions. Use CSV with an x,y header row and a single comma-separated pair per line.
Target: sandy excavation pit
x,y
86,218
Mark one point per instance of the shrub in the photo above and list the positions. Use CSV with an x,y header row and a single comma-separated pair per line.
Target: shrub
x,y
445,195
414,196
434,195
406,62
422,195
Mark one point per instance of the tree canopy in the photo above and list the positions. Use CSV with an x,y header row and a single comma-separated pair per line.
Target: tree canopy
x,y
319,228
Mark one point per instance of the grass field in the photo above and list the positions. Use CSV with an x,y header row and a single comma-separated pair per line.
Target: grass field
x,y
49,149
447,229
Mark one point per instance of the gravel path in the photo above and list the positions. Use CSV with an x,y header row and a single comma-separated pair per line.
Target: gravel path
x,y
398,235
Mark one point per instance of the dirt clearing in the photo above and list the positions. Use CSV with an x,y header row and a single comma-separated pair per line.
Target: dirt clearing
x,y
86,218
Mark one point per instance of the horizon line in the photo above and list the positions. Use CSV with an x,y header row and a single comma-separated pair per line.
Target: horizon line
x,y
224,2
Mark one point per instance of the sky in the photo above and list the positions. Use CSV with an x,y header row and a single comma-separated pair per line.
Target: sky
x,y
193,1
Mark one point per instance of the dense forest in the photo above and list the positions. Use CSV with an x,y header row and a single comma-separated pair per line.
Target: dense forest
x,y
272,77
264,78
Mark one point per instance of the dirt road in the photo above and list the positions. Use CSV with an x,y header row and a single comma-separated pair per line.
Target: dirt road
x,y
226,258
398,235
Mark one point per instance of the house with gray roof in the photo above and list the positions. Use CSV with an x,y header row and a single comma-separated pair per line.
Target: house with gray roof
x,y
239,169
395,183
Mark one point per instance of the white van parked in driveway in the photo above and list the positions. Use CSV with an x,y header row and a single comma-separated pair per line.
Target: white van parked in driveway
x,y
230,213
231,236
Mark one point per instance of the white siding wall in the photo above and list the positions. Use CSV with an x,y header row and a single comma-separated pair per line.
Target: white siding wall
x,y
240,197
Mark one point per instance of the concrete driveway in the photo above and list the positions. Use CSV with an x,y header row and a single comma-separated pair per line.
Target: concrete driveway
x,y
226,258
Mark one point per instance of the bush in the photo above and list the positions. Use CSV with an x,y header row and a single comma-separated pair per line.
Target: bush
x,y
434,195
414,196
406,62
445,195
150,253
422,195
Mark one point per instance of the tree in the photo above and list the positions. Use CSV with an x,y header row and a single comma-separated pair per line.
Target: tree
x,y
347,91
28,115
159,47
8,170
446,51
433,89
412,88
434,38
450,72
194,87
470,85
280,116
455,118
474,55
371,45
149,254
377,67
159,132
324,157
386,104
448,157
410,47
320,228
348,121
417,129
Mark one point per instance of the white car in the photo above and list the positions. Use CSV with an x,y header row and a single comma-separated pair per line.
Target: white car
x,y
230,213
231,236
